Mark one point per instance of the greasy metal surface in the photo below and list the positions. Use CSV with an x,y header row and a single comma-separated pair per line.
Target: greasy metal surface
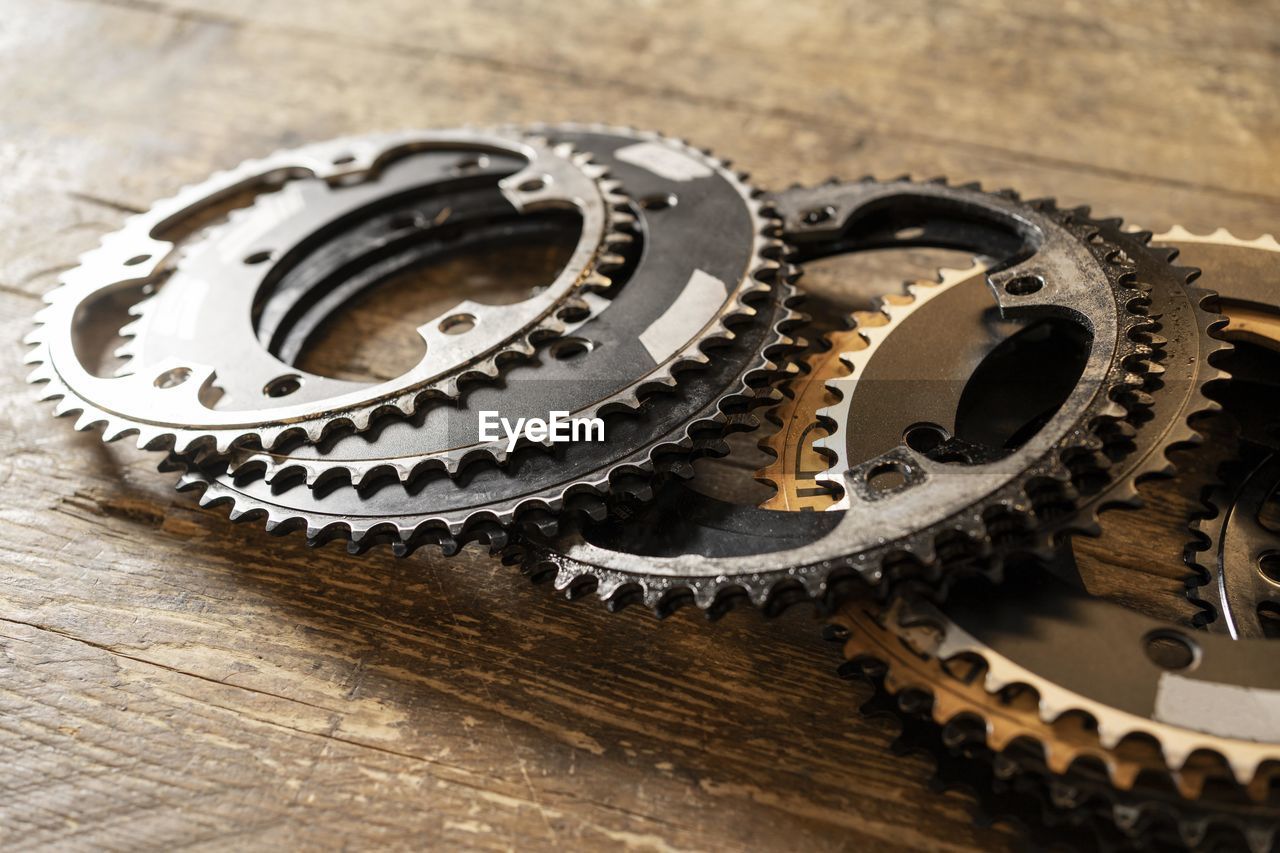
x,y
1082,280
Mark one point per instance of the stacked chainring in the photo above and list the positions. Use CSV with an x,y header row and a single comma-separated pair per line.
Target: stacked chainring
x,y
938,459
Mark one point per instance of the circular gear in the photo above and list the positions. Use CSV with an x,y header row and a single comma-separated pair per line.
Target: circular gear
x,y
1177,724
1030,727
898,391
930,516
1238,582
199,375
715,311
1240,592
797,460
682,282
990,722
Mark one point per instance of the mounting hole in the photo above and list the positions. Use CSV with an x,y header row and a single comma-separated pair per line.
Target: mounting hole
x,y
923,437
659,201
1171,649
137,259
532,185
471,164
344,159
173,377
457,324
283,386
915,232
886,477
1023,285
258,257
1269,565
818,215
570,348
573,313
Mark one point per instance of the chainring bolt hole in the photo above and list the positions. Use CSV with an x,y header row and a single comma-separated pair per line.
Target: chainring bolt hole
x,y
1024,285
283,386
924,437
533,185
172,378
886,477
457,324
1269,566
1171,650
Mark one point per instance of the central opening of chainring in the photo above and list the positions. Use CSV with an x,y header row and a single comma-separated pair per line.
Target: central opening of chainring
x,y
372,336
346,303
959,383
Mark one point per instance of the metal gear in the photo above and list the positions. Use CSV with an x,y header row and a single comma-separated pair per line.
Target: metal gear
x,y
797,461
1182,383
734,350
1012,745
1176,725
969,769
670,302
689,548
1240,589
1046,774
1171,397
196,339
1235,552
1246,278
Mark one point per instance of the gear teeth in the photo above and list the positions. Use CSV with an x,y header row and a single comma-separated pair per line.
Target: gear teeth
x,y
1179,234
66,406
1033,521
126,243
704,597
766,273
1112,731
892,312
980,738
1211,580
986,783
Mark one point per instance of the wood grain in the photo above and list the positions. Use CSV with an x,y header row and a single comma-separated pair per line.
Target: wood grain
x,y
169,679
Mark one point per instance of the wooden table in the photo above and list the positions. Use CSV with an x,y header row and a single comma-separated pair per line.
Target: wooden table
x,y
170,679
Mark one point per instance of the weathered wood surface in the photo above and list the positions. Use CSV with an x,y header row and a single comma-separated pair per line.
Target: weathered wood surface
x,y
170,679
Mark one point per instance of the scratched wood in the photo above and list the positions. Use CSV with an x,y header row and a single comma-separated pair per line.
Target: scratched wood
x,y
169,678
